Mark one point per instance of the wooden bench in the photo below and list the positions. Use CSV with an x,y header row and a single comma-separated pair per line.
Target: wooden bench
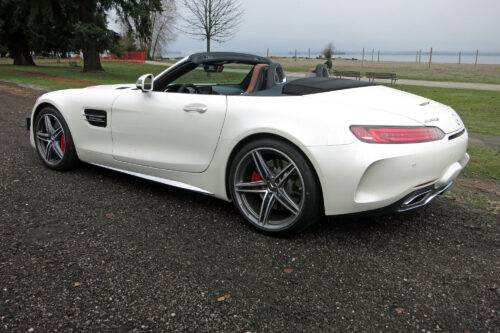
x,y
73,64
374,75
355,74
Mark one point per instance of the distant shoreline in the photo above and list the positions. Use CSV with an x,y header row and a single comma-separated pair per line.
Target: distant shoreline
x,y
489,58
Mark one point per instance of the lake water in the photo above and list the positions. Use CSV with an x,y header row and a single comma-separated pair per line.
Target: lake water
x,y
445,57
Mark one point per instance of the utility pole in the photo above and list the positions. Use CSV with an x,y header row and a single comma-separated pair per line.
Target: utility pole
x,y
268,52
477,55
309,53
378,56
419,56
373,51
430,58
459,57
363,58
295,54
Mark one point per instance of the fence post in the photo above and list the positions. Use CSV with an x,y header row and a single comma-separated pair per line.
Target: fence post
x,y
363,58
295,54
378,56
309,53
419,56
459,57
477,55
430,58
373,51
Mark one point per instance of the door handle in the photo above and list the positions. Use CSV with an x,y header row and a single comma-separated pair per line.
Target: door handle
x,y
200,108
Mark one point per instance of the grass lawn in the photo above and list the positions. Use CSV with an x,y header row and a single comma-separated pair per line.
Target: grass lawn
x,y
484,163
423,75
114,72
480,110
455,77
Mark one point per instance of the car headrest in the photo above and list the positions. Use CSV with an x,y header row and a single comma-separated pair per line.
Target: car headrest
x,y
257,78
322,70
275,75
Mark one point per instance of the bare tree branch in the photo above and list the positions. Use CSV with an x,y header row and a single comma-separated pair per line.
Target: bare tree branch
x,y
162,30
209,20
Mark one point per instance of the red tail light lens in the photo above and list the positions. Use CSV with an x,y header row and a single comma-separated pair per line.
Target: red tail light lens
x,y
389,134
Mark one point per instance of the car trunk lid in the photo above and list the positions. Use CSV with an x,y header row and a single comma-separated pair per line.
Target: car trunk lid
x,y
380,98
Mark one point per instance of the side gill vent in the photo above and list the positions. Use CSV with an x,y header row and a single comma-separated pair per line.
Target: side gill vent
x,y
96,117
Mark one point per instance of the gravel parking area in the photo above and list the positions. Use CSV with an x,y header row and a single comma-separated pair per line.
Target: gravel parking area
x,y
93,250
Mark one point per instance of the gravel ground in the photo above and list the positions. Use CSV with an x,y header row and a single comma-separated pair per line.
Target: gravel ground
x,y
93,250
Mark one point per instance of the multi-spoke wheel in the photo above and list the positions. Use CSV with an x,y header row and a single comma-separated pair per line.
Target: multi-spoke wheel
x,y
53,140
274,187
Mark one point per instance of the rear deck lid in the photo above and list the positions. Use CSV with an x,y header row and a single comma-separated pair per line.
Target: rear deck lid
x,y
421,109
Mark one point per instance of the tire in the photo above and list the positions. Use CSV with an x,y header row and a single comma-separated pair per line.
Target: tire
x,y
274,187
53,140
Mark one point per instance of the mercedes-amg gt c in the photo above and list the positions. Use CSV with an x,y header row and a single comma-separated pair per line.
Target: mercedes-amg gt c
x,y
229,125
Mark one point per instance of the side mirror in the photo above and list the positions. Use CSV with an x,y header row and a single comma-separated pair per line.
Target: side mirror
x,y
145,82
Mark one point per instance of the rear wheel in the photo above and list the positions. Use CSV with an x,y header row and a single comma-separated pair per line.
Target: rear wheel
x,y
53,140
274,187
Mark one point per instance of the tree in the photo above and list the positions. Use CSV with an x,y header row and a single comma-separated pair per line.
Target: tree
x,y
127,42
91,26
86,22
329,50
209,20
162,30
15,34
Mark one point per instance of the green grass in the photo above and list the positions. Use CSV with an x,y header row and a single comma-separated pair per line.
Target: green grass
x,y
114,72
484,163
454,77
40,82
480,110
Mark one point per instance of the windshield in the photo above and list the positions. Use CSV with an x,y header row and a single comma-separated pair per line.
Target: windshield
x,y
230,74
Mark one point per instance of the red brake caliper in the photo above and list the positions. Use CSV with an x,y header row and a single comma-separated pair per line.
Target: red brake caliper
x,y
256,177
63,143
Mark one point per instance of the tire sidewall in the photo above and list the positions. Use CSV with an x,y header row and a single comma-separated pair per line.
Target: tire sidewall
x,y
311,209
69,158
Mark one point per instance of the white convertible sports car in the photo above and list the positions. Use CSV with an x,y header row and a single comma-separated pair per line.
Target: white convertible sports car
x,y
285,153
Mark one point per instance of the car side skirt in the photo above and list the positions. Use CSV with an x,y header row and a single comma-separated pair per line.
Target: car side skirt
x,y
157,179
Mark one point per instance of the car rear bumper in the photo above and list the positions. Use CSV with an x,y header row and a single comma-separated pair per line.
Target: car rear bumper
x,y
364,177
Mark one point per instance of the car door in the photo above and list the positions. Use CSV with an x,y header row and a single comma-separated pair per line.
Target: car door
x,y
167,130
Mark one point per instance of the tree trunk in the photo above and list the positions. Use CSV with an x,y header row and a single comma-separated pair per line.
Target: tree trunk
x,y
22,56
208,44
91,61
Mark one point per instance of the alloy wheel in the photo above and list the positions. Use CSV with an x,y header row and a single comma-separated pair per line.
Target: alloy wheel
x,y
269,188
49,135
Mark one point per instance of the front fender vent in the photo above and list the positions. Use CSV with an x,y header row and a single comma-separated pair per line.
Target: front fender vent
x,y
96,117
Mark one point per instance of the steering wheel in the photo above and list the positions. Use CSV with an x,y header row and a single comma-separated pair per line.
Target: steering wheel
x,y
184,88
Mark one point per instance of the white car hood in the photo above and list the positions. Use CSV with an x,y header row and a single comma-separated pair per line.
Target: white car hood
x,y
380,98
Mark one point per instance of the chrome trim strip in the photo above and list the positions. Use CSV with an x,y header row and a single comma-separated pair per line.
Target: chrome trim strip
x,y
157,179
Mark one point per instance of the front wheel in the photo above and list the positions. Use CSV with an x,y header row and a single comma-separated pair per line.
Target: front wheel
x,y
53,140
274,187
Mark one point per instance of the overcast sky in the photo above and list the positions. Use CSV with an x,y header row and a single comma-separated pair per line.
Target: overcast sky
x,y
388,25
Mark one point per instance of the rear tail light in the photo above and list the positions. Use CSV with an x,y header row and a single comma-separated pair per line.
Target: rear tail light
x,y
390,134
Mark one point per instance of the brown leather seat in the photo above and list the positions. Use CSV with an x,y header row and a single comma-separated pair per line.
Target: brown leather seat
x,y
257,78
